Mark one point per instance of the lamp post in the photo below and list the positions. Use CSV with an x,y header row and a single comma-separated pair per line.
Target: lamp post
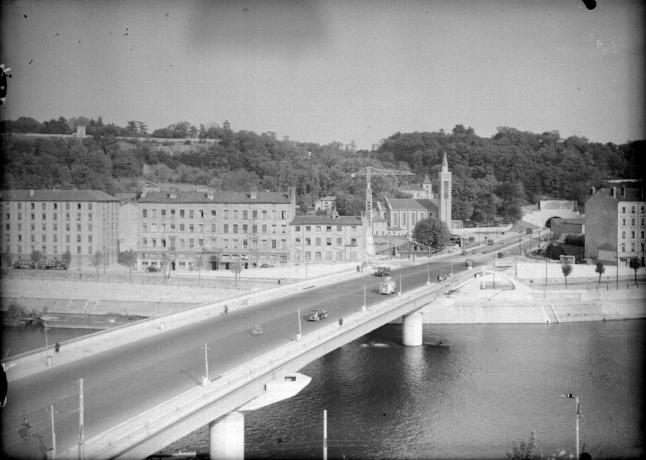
x,y
428,274
205,379
364,299
577,417
48,357
300,331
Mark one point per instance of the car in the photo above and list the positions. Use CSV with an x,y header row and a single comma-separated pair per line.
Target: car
x,y
23,264
257,330
266,266
316,315
500,255
382,271
468,263
152,268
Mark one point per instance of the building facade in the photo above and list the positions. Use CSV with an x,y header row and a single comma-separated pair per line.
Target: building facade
x,y
615,224
319,239
83,222
189,231
403,214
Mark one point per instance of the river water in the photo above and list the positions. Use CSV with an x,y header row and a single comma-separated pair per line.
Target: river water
x,y
492,386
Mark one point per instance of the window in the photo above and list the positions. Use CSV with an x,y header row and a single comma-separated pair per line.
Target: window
x,y
201,211
308,255
200,243
623,221
264,228
308,241
235,228
353,242
318,241
318,228
339,242
317,256
339,256
78,205
78,238
264,213
273,228
632,210
181,213
212,212
623,234
254,229
245,214
89,206
191,228
298,228
328,228
212,228
163,212
328,241
273,244
181,243
154,212
338,228
162,227
172,212
297,240
623,209
283,244
235,213
153,227
33,216
172,227
226,213
283,228
283,215
44,216
55,216
182,227
89,238
254,214
78,227
328,255
144,213
245,243
144,241
226,228
154,242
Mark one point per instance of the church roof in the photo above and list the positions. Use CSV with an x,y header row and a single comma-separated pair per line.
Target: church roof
x,y
411,203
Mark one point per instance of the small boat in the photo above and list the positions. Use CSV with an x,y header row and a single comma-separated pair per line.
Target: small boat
x,y
257,330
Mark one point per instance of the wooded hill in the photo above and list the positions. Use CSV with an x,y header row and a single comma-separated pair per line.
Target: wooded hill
x,y
492,177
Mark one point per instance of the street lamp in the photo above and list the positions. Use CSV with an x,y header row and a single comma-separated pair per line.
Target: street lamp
x,y
300,331
428,274
48,357
578,416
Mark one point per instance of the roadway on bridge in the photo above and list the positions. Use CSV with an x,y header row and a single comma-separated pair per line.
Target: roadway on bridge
x,y
126,381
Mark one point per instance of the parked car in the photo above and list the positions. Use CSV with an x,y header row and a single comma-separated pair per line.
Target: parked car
x,y
387,286
500,255
21,263
54,264
266,266
316,315
152,268
257,330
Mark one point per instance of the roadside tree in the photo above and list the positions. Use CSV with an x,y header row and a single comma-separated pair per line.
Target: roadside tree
x,y
432,232
66,257
36,256
567,269
600,270
635,264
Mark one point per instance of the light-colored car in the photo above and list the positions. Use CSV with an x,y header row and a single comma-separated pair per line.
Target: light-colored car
x,y
316,315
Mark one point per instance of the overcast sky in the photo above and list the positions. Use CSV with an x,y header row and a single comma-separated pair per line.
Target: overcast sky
x,y
326,71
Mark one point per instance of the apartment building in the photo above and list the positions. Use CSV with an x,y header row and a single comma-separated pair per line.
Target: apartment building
x,y
207,230
83,222
321,239
615,223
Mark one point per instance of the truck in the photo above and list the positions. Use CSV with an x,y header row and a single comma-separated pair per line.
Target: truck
x,y
387,286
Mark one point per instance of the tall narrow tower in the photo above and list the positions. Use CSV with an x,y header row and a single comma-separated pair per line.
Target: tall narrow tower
x,y
445,185
428,187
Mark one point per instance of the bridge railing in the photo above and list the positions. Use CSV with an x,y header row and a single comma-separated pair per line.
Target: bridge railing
x,y
137,429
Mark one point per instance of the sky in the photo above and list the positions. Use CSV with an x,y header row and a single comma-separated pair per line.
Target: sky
x,y
324,71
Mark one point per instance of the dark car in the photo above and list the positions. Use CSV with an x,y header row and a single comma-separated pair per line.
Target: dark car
x,y
266,266
316,315
152,268
500,255
382,271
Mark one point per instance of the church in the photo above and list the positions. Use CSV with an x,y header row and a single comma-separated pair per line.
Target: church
x,y
402,214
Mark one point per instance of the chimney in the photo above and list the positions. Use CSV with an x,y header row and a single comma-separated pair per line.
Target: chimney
x,y
210,195
173,194
613,192
31,192
592,190
623,191
253,193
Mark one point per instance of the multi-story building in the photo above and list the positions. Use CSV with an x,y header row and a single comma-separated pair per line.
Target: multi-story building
x,y
211,230
615,223
327,203
83,222
320,239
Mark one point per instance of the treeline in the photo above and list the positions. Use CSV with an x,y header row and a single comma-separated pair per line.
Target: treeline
x,y
492,177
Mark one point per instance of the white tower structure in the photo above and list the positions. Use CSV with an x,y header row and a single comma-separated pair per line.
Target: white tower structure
x,y
445,185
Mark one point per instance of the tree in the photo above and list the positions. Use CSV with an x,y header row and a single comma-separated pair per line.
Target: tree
x,y
66,257
524,450
600,270
567,269
97,258
432,232
635,264
36,256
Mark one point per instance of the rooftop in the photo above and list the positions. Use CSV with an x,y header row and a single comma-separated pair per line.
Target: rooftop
x,y
215,197
55,195
410,203
324,220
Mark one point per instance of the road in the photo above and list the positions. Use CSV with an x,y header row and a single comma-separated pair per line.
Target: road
x,y
125,381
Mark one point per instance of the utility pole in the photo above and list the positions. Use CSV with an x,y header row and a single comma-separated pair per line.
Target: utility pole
x,y
81,453
298,336
205,379
324,434
51,416
364,298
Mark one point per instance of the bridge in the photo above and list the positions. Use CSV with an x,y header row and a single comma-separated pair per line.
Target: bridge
x,y
132,391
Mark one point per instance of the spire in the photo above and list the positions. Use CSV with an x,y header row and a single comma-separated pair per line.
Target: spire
x,y
445,164
427,180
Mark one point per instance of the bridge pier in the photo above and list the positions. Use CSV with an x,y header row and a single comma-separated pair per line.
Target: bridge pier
x,y
412,329
226,437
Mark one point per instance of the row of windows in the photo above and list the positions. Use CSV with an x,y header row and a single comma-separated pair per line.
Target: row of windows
x,y
43,216
201,213
319,228
54,238
632,209
54,205
44,227
182,243
318,256
328,241
632,221
235,228
632,247
632,234
43,249
404,220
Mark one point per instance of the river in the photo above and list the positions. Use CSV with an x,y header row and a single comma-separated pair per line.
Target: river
x,y
492,386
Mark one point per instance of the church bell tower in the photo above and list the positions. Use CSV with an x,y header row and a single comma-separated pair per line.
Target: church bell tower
x,y
445,185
